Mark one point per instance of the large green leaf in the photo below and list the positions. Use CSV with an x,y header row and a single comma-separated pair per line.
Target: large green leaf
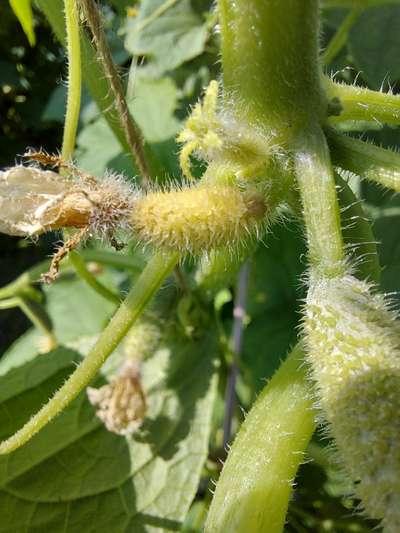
x,y
167,32
273,302
76,311
375,44
76,476
97,83
389,251
23,11
153,108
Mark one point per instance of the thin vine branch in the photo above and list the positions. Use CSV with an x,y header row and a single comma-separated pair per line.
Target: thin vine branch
x,y
74,79
71,126
84,273
339,39
359,103
132,132
237,342
373,163
147,284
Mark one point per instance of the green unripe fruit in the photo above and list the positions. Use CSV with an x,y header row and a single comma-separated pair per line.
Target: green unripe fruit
x,y
198,219
253,491
353,347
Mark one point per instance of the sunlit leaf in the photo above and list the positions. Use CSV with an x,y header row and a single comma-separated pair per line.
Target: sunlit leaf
x,y
23,11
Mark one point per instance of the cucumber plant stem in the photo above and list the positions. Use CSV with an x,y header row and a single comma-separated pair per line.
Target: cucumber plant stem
x,y
373,163
71,126
321,214
270,60
360,103
132,132
253,491
74,79
147,284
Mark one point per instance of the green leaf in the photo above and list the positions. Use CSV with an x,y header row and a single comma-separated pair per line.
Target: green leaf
x,y
273,302
23,12
375,44
389,252
76,311
76,476
97,83
153,108
167,33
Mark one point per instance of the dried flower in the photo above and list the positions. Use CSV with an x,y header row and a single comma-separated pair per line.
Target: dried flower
x,y
33,201
121,405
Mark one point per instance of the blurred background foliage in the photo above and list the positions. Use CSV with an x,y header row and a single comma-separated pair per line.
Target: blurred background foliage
x,y
167,52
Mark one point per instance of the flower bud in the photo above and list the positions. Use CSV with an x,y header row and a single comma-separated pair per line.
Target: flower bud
x,y
354,350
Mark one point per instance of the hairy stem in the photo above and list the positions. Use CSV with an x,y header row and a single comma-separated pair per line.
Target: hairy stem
x,y
253,491
147,284
374,163
132,131
259,85
359,103
37,314
320,207
74,79
357,234
71,126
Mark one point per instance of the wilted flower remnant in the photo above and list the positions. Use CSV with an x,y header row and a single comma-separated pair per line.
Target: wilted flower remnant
x,y
121,405
33,201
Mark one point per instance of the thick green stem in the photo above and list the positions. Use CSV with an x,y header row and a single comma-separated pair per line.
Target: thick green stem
x,y
74,79
374,163
320,207
359,103
253,491
270,59
339,39
147,284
